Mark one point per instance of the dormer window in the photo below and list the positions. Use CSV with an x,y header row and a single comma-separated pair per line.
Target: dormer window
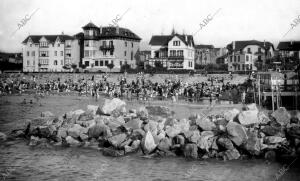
x,y
58,45
176,43
43,44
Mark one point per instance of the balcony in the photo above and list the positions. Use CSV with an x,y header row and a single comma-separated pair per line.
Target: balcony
x,y
107,48
68,46
174,57
90,37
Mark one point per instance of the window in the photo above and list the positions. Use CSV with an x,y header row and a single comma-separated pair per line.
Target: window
x,y
43,53
230,58
30,45
87,63
58,45
124,53
33,53
259,50
86,43
101,63
111,53
86,53
55,53
121,63
111,43
131,55
104,52
27,53
28,62
96,63
33,62
104,43
125,43
259,57
179,53
68,53
247,58
249,50
176,43
234,58
61,53
55,62
68,43
43,44
132,44
239,58
106,62
243,67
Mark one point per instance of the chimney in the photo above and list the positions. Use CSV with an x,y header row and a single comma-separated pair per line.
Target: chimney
x,y
100,30
292,42
117,29
264,43
62,32
186,39
233,45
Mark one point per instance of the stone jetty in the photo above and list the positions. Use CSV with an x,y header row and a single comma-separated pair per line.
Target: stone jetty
x,y
153,131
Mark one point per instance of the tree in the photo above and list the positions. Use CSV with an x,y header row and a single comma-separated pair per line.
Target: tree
x,y
74,66
110,66
125,67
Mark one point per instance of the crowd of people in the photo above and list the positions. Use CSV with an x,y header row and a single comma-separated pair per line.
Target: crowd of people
x,y
142,88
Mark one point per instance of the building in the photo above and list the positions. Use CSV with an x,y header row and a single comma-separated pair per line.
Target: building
x,y
204,54
289,49
242,55
144,56
105,46
50,53
173,51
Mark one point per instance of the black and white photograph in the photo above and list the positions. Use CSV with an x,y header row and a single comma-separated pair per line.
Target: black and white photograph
x,y
149,90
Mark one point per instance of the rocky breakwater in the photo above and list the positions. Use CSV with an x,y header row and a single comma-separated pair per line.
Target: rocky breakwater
x,y
153,131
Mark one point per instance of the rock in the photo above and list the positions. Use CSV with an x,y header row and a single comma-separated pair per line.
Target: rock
x,y
148,144
32,125
263,118
179,139
114,123
270,155
231,114
205,124
137,134
111,105
271,130
191,151
282,116
46,131
206,140
232,154
34,141
112,152
252,144
295,116
83,137
152,127
78,112
237,133
126,143
159,111
143,113
171,122
3,137
86,116
173,131
71,141
47,114
164,144
225,143
192,136
252,107
274,139
248,117
294,131
118,112
61,133
184,125
133,148
117,140
99,120
93,109
161,135
76,130
133,124
132,111
99,130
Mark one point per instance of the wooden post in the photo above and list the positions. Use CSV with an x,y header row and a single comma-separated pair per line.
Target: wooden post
x,y
277,96
272,95
259,90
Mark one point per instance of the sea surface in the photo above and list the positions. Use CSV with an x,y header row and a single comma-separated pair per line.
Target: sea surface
x,y
18,161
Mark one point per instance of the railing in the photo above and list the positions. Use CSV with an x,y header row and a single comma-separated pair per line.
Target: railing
x,y
105,47
181,57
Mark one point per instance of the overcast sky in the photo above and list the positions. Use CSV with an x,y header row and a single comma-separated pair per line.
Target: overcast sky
x,y
262,20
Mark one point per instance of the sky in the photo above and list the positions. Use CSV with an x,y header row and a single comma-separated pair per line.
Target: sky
x,y
216,22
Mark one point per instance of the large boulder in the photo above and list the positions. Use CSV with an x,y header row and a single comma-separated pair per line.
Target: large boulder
x,y
231,114
137,134
46,131
173,131
236,132
72,142
117,140
282,116
47,114
159,111
206,140
231,154
252,106
77,112
248,117
161,135
179,140
34,141
294,131
76,130
92,109
274,140
86,116
3,137
190,151
252,144
165,144
152,127
225,143
61,133
263,117
205,124
271,130
99,130
184,125
192,136
111,105
134,146
148,143
112,152
133,124
114,123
